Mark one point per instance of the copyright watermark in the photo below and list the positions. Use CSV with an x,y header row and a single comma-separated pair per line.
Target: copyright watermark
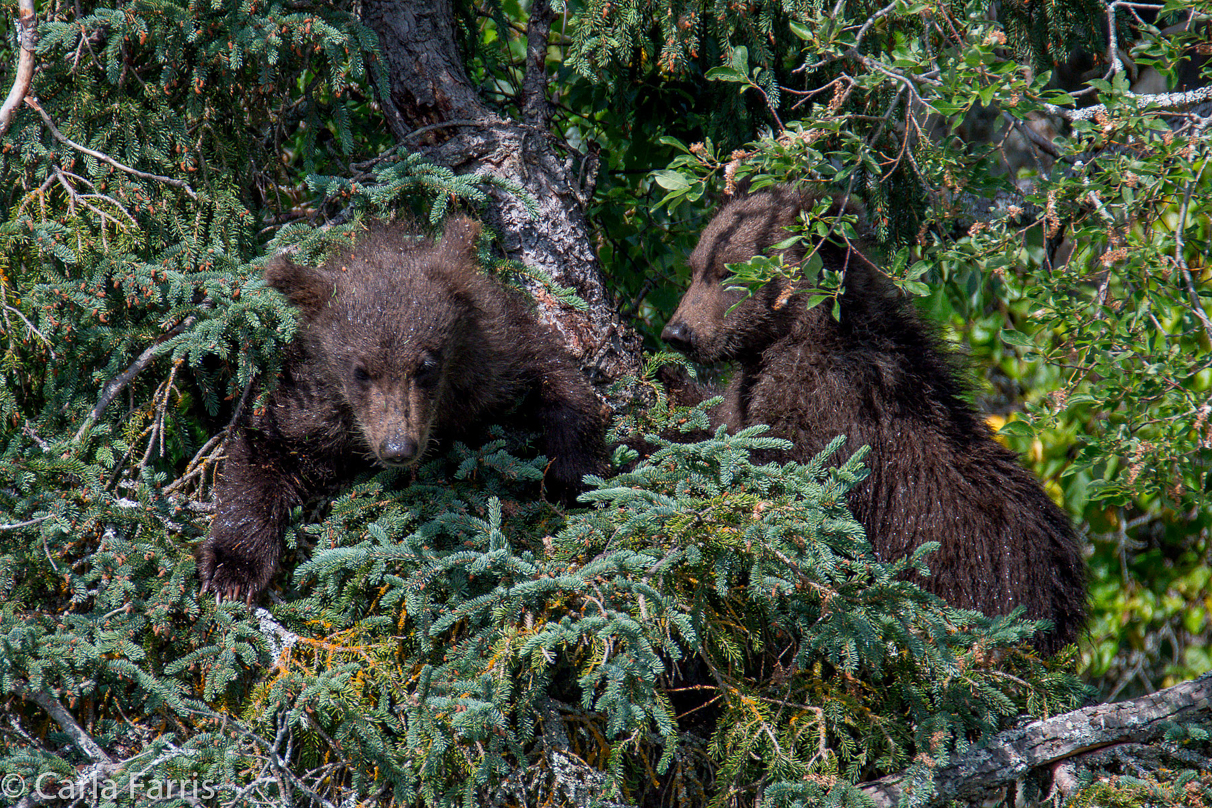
x,y
50,785
12,786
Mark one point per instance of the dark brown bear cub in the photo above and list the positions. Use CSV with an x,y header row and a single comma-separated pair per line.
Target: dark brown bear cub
x,y
880,376
402,342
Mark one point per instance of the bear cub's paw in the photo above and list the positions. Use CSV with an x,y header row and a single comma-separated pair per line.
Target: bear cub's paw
x,y
231,573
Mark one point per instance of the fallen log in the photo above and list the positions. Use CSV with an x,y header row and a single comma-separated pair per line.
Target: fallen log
x,y
1011,755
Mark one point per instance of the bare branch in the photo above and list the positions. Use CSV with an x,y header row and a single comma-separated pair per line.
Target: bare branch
x,y
64,719
27,523
1013,753
872,20
32,328
1166,101
27,43
1197,307
1045,145
59,136
202,460
119,382
416,133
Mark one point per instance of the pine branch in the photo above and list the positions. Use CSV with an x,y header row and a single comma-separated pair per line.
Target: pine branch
x,y
59,136
27,44
1012,754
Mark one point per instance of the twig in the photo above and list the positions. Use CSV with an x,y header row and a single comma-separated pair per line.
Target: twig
x,y
160,411
59,136
74,197
872,20
33,329
27,523
444,124
200,462
27,44
119,382
1179,243
1045,145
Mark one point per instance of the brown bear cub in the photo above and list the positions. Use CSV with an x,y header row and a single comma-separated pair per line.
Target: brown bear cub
x,y
402,343
880,376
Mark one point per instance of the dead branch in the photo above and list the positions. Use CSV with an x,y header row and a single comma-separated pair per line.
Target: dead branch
x,y
85,742
33,103
1161,101
27,43
1009,756
119,382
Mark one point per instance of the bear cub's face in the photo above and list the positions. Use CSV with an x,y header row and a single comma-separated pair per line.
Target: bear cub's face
x,y
702,327
395,411
381,329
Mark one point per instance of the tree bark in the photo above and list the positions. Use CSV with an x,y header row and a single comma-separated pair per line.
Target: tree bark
x,y
27,45
433,108
1012,754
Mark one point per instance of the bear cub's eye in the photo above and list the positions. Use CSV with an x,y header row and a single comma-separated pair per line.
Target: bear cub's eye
x,y
360,375
428,371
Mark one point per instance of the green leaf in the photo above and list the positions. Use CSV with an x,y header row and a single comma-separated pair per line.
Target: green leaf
x,y
815,300
725,73
740,59
671,180
1016,338
1017,429
670,140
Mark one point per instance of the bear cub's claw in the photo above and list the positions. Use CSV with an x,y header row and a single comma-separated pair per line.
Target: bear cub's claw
x,y
227,575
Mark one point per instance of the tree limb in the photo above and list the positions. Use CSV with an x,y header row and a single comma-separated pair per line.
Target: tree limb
x,y
119,382
59,136
64,719
1166,101
27,43
1012,754
1045,145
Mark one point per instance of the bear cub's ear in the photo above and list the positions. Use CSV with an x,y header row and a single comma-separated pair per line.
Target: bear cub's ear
x,y
307,288
459,240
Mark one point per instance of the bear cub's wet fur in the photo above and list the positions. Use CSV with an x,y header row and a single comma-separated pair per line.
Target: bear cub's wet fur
x,y
880,376
402,343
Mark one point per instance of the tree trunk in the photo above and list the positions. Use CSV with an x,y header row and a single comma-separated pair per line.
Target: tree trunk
x,y
433,108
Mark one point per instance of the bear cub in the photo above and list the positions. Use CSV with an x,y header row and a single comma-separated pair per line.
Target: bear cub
x,y
402,343
880,376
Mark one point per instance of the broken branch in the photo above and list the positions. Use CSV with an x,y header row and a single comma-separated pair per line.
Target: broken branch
x,y
27,43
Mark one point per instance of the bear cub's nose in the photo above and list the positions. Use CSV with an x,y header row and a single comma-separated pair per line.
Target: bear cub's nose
x,y
398,450
679,336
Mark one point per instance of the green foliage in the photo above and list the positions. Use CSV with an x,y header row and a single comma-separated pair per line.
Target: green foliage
x,y
818,226
103,256
707,625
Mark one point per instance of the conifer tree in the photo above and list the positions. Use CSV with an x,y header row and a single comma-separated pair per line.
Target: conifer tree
x,y
703,630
